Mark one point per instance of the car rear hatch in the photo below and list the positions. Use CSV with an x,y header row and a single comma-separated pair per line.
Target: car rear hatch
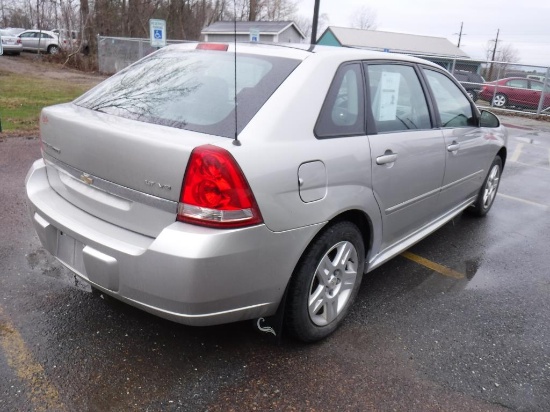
x,y
120,152
123,171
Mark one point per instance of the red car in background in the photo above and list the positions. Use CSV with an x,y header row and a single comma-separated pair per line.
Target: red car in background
x,y
515,91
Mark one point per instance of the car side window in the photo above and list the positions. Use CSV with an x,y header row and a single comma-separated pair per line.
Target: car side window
x,y
396,98
343,112
454,107
536,86
519,83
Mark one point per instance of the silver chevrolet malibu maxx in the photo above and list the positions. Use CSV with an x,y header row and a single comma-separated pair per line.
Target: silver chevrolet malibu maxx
x,y
213,183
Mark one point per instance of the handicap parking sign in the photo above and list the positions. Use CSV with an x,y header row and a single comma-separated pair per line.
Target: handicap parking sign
x,y
157,32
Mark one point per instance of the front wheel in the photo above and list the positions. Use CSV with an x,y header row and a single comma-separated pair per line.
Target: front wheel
x,y
500,100
488,191
325,283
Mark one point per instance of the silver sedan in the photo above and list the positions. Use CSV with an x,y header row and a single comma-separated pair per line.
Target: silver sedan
x,y
209,185
11,44
40,40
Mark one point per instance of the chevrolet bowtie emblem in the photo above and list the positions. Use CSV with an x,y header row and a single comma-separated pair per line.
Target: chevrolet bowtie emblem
x,y
86,179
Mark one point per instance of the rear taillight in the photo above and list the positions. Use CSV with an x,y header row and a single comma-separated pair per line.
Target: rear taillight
x,y
215,192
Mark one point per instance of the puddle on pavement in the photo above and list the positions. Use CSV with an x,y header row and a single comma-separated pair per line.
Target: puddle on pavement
x,y
436,282
49,266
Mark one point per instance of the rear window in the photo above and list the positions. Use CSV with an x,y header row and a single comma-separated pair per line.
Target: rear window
x,y
192,90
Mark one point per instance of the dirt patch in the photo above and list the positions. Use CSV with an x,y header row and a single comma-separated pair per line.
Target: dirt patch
x,y
34,64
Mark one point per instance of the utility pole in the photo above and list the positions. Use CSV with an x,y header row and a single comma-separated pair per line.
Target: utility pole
x,y
460,34
315,21
495,49
490,76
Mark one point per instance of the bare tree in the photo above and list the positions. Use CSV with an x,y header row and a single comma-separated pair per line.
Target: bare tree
x,y
505,54
364,18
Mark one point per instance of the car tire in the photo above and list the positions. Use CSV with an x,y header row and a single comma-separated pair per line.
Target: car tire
x,y
500,100
53,49
488,191
324,285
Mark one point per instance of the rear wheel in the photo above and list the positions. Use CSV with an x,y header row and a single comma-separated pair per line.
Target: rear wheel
x,y
500,100
53,49
488,191
325,283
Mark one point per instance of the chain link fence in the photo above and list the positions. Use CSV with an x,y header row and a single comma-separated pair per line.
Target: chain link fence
x,y
116,53
505,86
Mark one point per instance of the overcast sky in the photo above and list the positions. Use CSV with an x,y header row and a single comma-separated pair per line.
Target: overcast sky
x,y
524,24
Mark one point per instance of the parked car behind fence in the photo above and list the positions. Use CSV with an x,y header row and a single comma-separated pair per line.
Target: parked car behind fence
x,y
518,92
11,44
472,82
40,40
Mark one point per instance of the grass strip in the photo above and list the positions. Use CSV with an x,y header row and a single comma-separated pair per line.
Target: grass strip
x,y
23,96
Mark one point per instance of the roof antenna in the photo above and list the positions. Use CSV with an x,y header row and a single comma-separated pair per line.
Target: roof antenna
x,y
236,140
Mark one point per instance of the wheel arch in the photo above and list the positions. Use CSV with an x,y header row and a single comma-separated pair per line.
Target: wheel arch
x,y
363,223
502,153
359,218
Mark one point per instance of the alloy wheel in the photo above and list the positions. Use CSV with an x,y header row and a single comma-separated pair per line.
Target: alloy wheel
x,y
491,186
333,283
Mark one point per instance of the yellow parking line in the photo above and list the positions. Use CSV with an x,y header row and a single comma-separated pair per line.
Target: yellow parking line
x,y
518,199
531,165
517,153
442,270
42,394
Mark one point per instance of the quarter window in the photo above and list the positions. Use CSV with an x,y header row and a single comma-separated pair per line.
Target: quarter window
x,y
396,98
343,112
454,108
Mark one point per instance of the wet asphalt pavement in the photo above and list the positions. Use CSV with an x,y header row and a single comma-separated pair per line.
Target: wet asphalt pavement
x,y
415,340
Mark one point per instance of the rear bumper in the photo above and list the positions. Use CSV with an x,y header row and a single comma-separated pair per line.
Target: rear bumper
x,y
12,48
188,274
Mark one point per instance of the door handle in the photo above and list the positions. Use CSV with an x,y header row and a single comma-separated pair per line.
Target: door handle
x,y
388,157
453,147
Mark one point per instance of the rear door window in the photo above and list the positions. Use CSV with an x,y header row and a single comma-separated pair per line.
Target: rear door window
x,y
396,98
519,83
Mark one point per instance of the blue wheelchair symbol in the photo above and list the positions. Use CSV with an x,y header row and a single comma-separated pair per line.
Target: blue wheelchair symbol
x,y
158,34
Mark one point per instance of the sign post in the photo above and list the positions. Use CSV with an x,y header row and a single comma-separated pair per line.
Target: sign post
x,y
1,51
157,32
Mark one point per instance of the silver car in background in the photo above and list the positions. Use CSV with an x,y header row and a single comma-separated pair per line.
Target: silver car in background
x,y
11,44
40,40
163,190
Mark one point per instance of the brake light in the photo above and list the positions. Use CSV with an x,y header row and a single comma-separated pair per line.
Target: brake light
x,y
215,192
212,46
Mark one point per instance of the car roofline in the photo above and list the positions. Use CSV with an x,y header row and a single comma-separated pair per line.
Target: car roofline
x,y
303,50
